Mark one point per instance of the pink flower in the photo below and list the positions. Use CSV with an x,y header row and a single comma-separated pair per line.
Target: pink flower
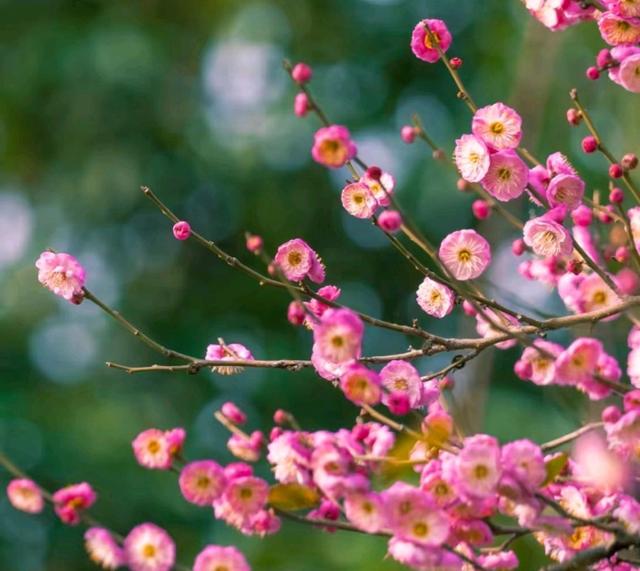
x,y
62,274
297,260
577,363
490,323
290,457
149,548
501,561
633,366
25,495
358,200
361,385
175,438
499,126
507,176
103,548
381,187
151,449
547,238
423,42
245,496
181,230
472,158
524,461
597,466
618,31
435,298
218,558
201,482
630,73
332,146
628,512
390,221
624,8
465,254
565,189
233,413
338,336
69,502
227,352
542,365
557,163
595,294
247,449
402,377
478,466
318,308
366,511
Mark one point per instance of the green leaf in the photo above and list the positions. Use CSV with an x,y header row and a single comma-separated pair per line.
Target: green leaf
x,y
292,497
555,466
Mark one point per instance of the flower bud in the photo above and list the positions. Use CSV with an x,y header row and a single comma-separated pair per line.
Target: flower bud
x,y
629,161
295,313
610,414
301,73
233,413
301,105
468,308
593,73
390,221
481,209
254,243
632,400
615,170
374,172
603,58
398,403
622,254
518,247
181,230
582,216
408,134
616,195
455,62
574,117
280,416
589,144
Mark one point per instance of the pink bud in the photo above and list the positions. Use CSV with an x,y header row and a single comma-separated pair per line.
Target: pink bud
x,y
181,230
481,209
622,254
272,269
237,470
462,185
233,413
280,416
295,313
593,73
455,62
610,414
589,144
632,400
557,214
360,431
257,439
408,134
301,105
582,216
604,214
615,170
523,369
574,116
629,161
468,308
398,403
616,195
254,243
275,432
374,172
390,221
301,73
574,266
603,58
518,247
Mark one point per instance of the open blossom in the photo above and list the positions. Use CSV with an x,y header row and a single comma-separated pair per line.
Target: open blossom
x,y
465,253
594,294
402,377
499,126
478,466
152,450
227,352
366,511
541,363
361,385
629,73
435,298
358,200
218,558
338,336
149,548
547,238
567,190
332,146
423,42
297,260
472,158
290,457
317,307
25,495
507,176
618,31
247,449
598,466
103,549
380,187
62,274
524,461
244,496
577,363
69,502
201,482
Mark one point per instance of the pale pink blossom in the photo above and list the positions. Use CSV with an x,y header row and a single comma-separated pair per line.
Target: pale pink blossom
x,y
490,323
366,511
103,549
498,125
25,495
578,362
618,31
630,73
151,449
149,548
524,461
567,190
507,176
381,187
400,376
358,200
434,298
338,336
472,158
218,558
297,260
423,42
478,466
547,238
332,146
465,253
541,363
227,352
62,274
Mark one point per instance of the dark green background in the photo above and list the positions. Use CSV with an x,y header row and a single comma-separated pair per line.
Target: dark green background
x,y
188,97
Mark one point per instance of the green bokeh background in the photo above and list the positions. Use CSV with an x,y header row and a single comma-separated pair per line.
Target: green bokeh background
x,y
189,97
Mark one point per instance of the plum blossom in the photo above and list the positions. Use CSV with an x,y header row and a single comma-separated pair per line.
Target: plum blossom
x,y
472,158
465,253
297,261
103,549
332,146
435,298
25,495
426,36
149,548
62,274
499,126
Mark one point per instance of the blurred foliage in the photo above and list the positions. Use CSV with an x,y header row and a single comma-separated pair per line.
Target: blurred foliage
x,y
98,98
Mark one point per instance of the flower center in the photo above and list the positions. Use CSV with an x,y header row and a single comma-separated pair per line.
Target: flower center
x,y
504,174
203,482
420,529
481,471
367,507
497,128
337,341
246,493
333,151
430,39
294,258
464,255
401,384
599,297
153,447
149,550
